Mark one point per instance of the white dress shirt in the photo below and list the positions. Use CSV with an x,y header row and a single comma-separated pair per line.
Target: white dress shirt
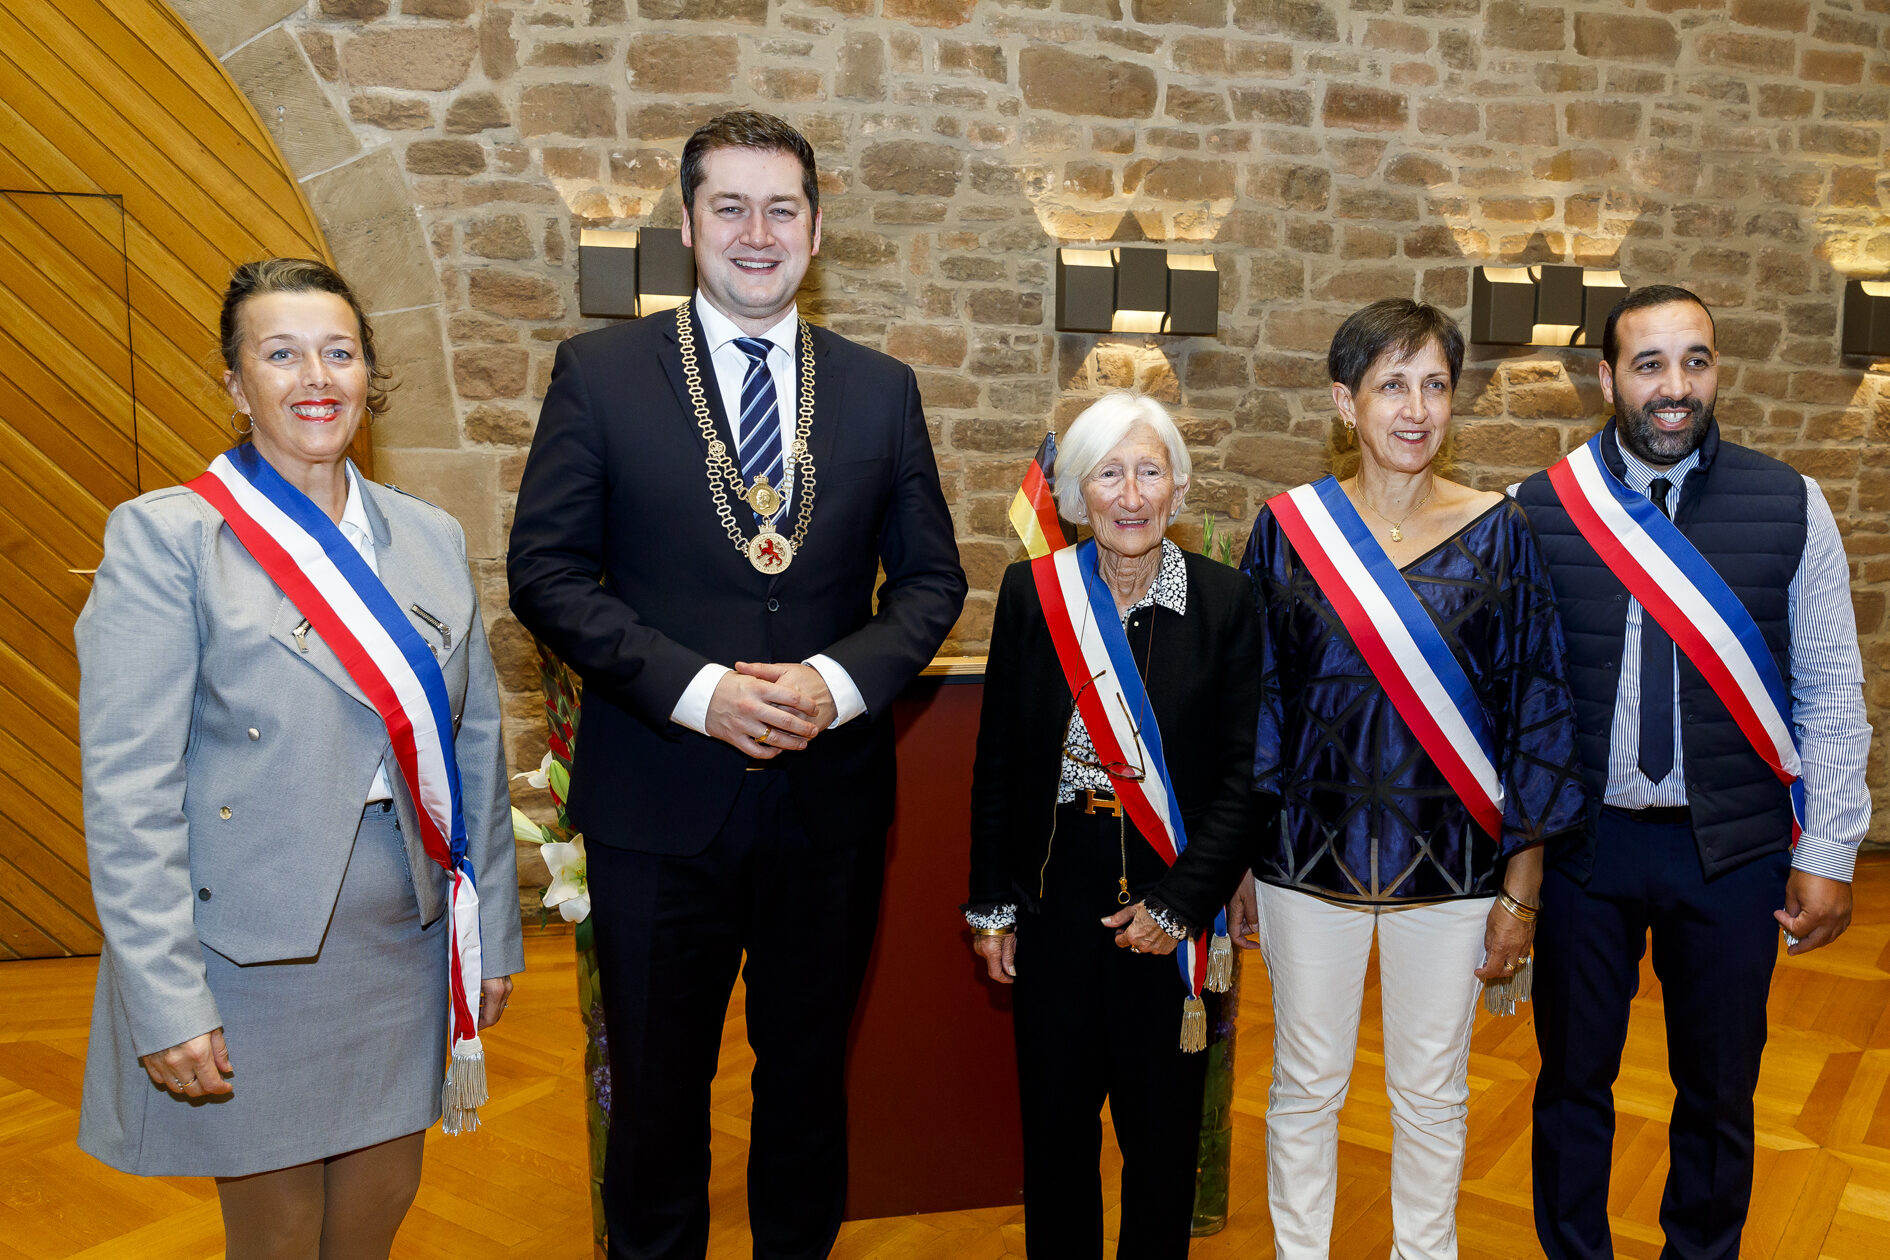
x,y
355,528
730,364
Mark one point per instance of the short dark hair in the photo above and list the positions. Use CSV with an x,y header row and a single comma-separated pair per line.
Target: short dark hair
x,y
1640,299
747,129
1397,324
296,275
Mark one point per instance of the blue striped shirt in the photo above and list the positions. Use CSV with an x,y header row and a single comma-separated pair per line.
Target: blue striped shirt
x,y
1827,693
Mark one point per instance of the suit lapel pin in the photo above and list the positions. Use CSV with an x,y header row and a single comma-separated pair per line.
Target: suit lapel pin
x,y
301,636
446,634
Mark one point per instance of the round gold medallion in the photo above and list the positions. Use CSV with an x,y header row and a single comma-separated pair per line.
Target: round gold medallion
x,y
770,552
764,498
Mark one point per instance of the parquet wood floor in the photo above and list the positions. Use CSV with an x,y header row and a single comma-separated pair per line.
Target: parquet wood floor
x,y
516,1188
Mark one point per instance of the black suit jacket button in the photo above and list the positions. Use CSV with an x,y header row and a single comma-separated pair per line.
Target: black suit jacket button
x,y
203,894
774,605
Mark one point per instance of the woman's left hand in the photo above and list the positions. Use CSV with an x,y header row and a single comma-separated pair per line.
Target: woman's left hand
x,y
493,995
1506,942
1137,931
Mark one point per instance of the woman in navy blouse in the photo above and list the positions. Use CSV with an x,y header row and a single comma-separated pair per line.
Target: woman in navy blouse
x,y
1382,830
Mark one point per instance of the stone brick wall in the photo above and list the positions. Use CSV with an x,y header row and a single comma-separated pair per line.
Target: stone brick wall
x,y
1329,153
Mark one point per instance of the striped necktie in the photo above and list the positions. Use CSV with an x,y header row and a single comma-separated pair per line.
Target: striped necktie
x,y
758,432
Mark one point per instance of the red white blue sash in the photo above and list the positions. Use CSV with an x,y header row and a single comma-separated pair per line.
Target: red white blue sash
x,y
1102,675
306,554
1401,645
1678,588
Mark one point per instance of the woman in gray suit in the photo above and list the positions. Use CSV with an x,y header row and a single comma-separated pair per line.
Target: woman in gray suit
x,y
283,839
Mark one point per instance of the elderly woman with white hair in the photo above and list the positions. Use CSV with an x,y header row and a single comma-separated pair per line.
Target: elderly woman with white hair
x,y
1110,820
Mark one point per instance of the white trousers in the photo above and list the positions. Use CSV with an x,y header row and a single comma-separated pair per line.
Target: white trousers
x,y
1316,953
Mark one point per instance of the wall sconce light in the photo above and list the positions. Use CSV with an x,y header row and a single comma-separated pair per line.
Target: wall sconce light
x,y
622,275
1137,289
1546,305
1867,317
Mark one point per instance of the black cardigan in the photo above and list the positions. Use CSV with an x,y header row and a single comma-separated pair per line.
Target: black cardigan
x,y
1203,680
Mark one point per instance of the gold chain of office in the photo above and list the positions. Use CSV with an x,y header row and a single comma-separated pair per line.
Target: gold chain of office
x,y
768,551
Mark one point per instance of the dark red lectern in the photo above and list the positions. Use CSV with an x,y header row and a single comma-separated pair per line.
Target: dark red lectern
x,y
931,1075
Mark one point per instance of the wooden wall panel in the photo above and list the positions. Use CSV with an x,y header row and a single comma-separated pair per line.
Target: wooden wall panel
x,y
134,176
68,445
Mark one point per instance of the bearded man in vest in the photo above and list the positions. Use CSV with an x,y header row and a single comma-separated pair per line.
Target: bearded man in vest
x,y
1661,538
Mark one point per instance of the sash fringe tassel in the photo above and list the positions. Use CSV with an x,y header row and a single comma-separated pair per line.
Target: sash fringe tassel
x,y
1193,1025
465,1089
1220,968
1501,998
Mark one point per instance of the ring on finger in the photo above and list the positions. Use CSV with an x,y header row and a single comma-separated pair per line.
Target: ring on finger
x,y
766,732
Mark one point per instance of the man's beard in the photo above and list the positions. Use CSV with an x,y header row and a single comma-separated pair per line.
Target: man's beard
x,y
1643,437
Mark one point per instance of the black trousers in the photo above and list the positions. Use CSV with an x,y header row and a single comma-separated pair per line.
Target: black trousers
x,y
1094,1021
1714,947
671,933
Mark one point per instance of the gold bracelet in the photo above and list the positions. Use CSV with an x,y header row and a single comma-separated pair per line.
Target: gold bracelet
x,y
1523,913
996,931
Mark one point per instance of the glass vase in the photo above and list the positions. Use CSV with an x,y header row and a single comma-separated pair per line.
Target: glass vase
x,y
596,1072
1213,1163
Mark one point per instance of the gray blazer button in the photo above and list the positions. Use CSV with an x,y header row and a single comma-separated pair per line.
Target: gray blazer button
x,y
224,812
254,733
203,894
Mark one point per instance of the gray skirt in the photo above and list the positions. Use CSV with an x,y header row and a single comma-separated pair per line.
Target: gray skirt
x,y
330,1054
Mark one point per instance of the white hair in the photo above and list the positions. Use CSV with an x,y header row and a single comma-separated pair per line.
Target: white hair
x,y
1095,433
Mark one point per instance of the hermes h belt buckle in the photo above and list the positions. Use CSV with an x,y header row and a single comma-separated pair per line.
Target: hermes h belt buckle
x,y
1095,802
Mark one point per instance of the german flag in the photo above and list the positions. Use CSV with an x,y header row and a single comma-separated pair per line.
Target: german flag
x,y
1034,510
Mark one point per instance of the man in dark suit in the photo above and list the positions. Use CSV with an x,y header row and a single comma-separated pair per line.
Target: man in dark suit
x,y
709,500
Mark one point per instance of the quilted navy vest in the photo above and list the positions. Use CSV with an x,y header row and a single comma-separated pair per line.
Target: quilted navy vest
x,y
1746,514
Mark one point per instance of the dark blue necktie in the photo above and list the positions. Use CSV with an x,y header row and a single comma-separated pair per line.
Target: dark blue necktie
x,y
1656,678
758,431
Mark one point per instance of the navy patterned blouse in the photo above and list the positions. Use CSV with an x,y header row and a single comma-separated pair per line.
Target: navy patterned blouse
x,y
1366,816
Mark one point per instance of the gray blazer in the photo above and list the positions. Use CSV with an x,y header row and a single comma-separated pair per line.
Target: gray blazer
x,y
225,766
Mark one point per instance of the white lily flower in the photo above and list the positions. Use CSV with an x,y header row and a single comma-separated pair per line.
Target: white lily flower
x,y
539,778
523,828
570,885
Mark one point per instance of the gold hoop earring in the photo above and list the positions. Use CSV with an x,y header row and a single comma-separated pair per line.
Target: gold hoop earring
x,y
247,429
367,420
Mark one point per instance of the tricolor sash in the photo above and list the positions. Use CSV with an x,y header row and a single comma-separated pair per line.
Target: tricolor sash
x,y
306,554
1101,672
1676,586
1401,645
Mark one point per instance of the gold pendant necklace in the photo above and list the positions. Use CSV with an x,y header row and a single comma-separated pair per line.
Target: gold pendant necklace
x,y
1397,526
768,551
